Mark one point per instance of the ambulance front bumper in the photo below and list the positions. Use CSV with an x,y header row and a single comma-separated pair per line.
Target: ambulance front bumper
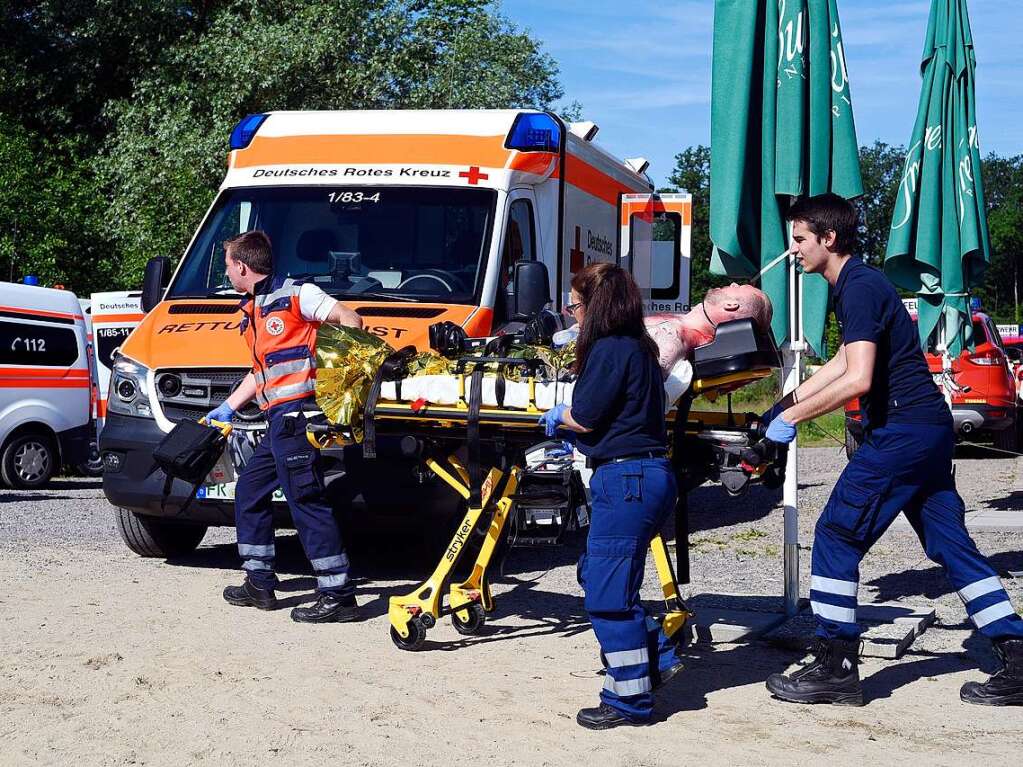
x,y
132,481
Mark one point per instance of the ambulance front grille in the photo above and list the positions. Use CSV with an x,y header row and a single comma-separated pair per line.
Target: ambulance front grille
x,y
200,390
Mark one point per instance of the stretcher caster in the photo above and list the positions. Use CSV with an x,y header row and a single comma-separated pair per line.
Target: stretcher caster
x,y
414,640
475,617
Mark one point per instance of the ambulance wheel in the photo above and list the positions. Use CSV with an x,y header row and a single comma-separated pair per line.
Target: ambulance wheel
x,y
477,617
155,537
414,640
28,461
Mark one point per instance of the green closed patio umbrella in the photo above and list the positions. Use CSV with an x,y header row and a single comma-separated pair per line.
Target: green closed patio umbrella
x,y
938,245
781,126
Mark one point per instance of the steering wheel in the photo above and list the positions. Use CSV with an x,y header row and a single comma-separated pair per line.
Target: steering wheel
x,y
449,281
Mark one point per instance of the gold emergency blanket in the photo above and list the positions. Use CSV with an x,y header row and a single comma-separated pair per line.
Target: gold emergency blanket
x,y
347,360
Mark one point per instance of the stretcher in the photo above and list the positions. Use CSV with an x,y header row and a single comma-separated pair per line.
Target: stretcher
x,y
491,458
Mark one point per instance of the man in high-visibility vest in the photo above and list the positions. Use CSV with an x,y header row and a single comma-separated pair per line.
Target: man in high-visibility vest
x,y
280,317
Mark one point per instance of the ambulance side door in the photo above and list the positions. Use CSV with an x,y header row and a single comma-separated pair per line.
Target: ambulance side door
x,y
520,241
656,248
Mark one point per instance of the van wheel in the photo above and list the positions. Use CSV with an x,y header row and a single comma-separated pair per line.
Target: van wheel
x,y
154,537
1006,439
93,465
852,444
28,461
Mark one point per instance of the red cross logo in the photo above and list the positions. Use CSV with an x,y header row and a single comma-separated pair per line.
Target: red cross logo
x,y
575,262
473,175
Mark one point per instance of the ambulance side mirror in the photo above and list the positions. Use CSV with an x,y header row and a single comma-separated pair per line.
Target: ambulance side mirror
x,y
532,289
155,280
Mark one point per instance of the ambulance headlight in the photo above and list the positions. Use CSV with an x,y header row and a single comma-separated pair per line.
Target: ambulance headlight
x,y
127,392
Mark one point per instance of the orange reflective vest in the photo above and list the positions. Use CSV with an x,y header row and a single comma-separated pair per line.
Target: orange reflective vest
x,y
283,343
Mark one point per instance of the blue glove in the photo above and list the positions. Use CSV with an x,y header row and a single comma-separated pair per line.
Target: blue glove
x,y
781,431
223,413
565,448
552,419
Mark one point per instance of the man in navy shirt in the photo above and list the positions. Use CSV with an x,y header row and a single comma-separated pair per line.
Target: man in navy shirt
x,y
904,464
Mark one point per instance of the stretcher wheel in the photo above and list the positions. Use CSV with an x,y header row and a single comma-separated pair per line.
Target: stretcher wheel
x,y
477,617
414,640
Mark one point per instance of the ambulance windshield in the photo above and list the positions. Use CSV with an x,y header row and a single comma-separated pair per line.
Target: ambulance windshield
x,y
377,243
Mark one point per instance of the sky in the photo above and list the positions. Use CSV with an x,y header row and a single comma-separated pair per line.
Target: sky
x,y
641,70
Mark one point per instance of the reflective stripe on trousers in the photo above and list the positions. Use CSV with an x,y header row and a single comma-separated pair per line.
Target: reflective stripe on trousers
x,y
630,502
901,468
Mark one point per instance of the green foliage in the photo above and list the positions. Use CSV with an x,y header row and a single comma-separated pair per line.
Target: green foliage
x,y
692,174
51,212
125,109
881,168
166,154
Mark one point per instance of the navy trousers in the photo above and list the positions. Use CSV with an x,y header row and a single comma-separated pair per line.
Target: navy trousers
x,y
630,502
284,458
907,468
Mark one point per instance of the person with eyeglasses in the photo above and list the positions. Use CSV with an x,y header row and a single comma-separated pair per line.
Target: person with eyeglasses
x,y
617,415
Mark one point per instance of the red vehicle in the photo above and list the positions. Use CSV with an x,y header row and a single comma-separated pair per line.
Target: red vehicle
x,y
983,388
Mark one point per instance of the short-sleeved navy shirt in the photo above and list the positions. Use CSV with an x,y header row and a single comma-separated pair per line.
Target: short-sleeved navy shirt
x,y
620,396
902,389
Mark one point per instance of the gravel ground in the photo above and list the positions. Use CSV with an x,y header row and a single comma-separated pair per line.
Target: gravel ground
x,y
113,659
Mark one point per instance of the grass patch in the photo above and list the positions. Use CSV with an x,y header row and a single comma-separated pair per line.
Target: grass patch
x,y
749,535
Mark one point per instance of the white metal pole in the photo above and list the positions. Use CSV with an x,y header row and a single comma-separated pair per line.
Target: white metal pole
x,y
791,359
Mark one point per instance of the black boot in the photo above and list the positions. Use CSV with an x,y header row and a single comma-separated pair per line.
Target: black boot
x,y
604,717
329,608
1005,688
250,595
832,677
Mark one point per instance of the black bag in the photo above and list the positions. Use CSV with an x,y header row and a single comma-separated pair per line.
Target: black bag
x,y
189,452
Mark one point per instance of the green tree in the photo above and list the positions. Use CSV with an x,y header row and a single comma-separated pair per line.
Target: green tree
x,y
51,213
1003,192
692,174
166,154
881,168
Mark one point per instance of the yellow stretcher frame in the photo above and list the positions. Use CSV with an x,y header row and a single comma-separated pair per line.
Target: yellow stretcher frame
x,y
411,615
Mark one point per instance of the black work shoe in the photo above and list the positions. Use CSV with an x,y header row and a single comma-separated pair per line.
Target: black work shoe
x,y
329,608
662,678
249,595
832,677
604,717
1005,687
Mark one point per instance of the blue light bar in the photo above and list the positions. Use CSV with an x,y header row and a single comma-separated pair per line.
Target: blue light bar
x,y
975,304
534,133
243,132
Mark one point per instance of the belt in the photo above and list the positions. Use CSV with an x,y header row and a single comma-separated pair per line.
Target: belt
x,y
596,463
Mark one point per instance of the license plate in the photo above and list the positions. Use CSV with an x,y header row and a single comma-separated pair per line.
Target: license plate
x,y
225,492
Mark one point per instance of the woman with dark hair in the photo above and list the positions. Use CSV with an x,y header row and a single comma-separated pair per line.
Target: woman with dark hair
x,y
617,414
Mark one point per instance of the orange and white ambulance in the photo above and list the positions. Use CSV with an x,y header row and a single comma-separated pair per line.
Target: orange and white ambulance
x,y
409,217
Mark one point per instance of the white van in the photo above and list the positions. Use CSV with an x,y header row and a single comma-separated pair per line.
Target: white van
x,y
45,384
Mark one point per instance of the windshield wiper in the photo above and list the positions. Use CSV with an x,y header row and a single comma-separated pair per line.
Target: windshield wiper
x,y
382,296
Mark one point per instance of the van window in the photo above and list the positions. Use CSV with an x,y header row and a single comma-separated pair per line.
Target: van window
x,y
413,243
26,343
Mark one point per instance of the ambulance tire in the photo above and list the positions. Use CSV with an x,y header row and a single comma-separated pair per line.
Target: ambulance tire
x,y
154,537
29,460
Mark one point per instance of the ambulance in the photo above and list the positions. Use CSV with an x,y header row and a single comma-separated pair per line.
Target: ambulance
x,y
45,384
410,218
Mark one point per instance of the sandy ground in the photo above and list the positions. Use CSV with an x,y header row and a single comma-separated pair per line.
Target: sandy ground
x,y
109,659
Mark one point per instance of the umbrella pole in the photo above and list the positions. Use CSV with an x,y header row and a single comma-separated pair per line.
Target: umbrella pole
x,y
791,359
